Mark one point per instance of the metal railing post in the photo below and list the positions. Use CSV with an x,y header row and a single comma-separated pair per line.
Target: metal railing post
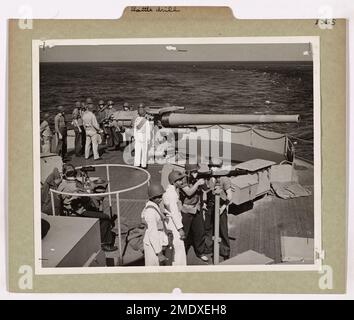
x,y
216,229
109,190
52,200
252,133
120,257
286,145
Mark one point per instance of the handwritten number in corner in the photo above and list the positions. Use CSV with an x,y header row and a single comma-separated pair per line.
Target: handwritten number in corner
x,y
325,23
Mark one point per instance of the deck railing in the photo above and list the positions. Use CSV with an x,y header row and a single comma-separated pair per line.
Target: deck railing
x,y
110,194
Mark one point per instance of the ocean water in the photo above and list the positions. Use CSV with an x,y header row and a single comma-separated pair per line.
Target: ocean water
x,y
201,87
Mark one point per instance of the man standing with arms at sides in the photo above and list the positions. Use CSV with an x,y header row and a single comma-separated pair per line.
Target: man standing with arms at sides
x,y
61,133
142,136
101,116
114,139
46,135
79,130
155,238
93,131
173,205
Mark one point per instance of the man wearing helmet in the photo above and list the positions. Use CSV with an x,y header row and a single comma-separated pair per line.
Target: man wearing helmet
x,y
155,238
222,186
173,205
101,116
191,194
69,184
92,130
61,132
80,136
46,134
114,135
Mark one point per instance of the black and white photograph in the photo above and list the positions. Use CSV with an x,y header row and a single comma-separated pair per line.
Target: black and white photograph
x,y
177,154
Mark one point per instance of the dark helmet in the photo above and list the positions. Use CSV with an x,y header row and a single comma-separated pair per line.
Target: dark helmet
x,y
155,190
190,167
141,110
71,174
101,102
76,203
99,189
89,101
100,186
175,176
60,108
110,103
78,104
69,170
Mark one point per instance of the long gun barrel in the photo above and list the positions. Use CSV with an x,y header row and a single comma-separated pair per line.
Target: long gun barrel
x,y
182,119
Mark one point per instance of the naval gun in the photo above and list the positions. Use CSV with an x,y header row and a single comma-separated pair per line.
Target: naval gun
x,y
179,119
176,120
171,117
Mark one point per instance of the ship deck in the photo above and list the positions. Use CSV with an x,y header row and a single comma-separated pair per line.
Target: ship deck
x,y
258,226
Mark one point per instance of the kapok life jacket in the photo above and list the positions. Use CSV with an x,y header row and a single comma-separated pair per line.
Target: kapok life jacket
x,y
168,250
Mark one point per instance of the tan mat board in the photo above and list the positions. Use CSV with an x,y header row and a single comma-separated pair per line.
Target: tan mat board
x,y
188,22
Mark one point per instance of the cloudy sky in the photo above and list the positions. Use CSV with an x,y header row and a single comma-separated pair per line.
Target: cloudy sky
x,y
171,52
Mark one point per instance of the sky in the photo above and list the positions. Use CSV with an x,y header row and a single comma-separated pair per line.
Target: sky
x,y
171,52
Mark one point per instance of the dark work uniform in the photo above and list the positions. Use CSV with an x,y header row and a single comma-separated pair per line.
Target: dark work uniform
x,y
60,126
117,137
105,225
225,184
192,219
114,137
80,137
101,116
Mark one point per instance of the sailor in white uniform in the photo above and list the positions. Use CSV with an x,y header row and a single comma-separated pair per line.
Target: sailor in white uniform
x,y
173,205
142,136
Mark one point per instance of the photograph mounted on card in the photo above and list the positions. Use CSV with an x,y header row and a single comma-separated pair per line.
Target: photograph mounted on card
x,y
171,155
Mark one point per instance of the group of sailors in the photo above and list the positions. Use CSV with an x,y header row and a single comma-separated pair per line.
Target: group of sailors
x,y
76,182
176,218
182,216
94,126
